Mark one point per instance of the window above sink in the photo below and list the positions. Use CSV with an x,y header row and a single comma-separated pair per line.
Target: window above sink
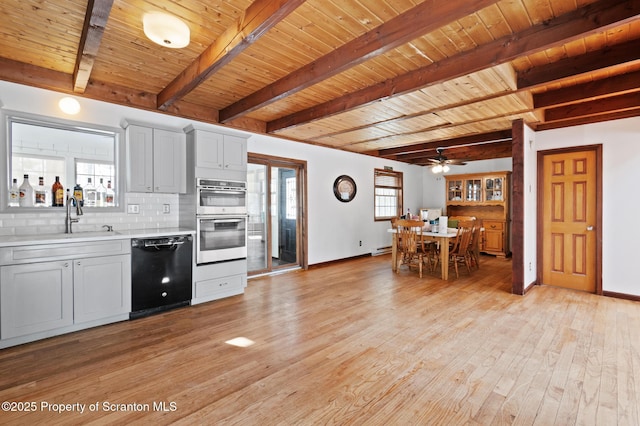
x,y
75,152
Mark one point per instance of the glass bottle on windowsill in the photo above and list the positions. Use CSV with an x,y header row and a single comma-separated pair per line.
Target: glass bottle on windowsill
x,y
90,194
26,193
14,194
57,193
110,195
101,194
41,193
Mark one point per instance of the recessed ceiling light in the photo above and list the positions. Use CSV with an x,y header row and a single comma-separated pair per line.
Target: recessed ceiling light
x,y
166,30
69,105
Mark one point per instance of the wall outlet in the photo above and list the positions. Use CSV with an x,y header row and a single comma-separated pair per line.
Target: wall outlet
x,y
133,208
360,243
166,208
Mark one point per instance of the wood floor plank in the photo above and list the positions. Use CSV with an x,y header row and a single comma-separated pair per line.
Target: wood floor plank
x,y
347,343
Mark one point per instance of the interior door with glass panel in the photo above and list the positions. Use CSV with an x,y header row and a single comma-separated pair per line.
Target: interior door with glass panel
x,y
274,207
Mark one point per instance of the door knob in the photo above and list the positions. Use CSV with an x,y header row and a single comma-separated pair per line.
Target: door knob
x,y
589,228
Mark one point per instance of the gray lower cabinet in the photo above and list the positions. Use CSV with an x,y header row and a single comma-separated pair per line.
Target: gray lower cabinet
x,y
101,287
35,297
219,280
56,295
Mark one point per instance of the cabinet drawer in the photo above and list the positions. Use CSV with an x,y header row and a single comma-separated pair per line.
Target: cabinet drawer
x,y
492,225
45,252
225,285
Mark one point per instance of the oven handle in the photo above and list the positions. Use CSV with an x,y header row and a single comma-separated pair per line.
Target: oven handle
x,y
226,220
221,191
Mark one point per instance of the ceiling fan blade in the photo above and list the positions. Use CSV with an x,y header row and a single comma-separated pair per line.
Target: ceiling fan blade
x,y
456,162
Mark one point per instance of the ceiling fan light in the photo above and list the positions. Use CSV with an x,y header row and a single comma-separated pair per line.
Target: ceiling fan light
x,y
437,168
166,30
445,168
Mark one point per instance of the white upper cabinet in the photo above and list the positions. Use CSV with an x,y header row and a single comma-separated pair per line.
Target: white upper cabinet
x,y
217,155
156,160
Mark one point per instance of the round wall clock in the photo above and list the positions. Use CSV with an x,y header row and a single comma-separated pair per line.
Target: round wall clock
x,y
344,188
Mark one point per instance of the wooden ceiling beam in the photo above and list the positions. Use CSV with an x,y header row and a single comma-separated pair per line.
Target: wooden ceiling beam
x,y
582,22
431,146
619,54
422,19
619,103
259,18
485,151
616,85
95,21
587,120
32,75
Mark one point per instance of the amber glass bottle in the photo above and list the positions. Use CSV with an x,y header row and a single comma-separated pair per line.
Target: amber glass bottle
x,y
57,193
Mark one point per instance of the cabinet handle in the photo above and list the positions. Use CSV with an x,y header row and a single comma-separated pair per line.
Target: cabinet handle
x,y
164,294
66,265
493,226
78,263
149,188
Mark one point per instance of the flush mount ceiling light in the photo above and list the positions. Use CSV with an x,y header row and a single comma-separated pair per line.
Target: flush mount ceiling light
x,y
166,30
69,105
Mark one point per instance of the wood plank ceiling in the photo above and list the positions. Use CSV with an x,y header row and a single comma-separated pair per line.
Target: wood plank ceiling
x,y
391,78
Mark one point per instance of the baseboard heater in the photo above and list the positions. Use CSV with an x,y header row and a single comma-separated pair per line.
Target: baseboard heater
x,y
381,250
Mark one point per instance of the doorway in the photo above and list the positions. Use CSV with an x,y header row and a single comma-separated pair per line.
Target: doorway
x,y
570,218
277,219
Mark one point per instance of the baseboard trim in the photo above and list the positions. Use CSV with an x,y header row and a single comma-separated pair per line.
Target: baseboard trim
x,y
621,295
330,262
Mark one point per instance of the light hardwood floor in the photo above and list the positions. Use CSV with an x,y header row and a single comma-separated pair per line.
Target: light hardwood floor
x,y
349,343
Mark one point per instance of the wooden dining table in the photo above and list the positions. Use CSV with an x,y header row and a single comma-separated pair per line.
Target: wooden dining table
x,y
441,238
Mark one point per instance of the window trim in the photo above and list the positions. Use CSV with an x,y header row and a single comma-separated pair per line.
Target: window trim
x,y
399,207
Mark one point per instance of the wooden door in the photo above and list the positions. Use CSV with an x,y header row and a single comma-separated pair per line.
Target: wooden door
x,y
569,219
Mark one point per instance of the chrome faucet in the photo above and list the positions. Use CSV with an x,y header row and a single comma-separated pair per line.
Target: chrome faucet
x,y
69,220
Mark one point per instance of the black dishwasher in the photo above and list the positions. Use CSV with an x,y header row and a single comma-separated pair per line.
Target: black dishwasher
x,y
160,274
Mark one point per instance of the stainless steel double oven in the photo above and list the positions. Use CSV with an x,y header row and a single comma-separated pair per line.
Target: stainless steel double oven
x,y
221,220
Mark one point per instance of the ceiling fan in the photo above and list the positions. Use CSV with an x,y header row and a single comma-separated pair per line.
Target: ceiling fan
x,y
441,162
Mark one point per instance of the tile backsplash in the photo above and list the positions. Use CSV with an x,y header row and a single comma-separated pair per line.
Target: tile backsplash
x,y
151,215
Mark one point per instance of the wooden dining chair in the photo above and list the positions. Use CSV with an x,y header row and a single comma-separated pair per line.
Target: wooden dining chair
x,y
460,251
411,249
474,246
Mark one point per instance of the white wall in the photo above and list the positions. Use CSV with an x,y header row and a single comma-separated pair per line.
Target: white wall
x,y
621,199
336,228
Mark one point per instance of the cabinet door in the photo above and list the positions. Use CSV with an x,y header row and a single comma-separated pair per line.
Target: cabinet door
x,y
35,297
169,154
209,150
454,190
101,287
473,190
493,188
139,159
235,153
493,236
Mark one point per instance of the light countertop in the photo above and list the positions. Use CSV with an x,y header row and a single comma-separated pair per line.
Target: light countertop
x,y
24,240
